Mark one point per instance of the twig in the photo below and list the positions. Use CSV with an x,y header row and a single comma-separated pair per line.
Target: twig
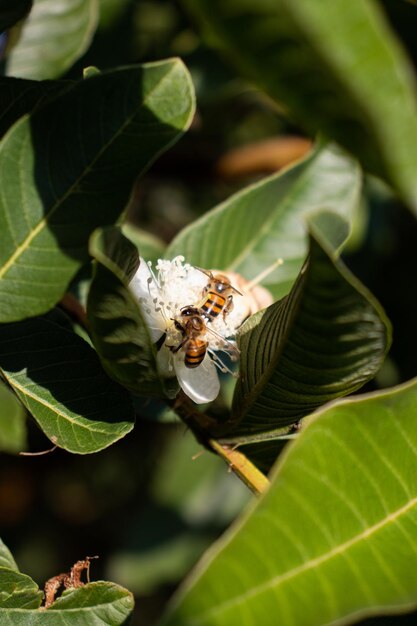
x,y
203,427
242,467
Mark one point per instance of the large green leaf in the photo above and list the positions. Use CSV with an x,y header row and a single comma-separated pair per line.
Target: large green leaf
x,y
58,377
54,36
337,67
78,157
324,340
96,604
118,328
12,422
271,216
11,11
17,591
18,96
6,558
334,538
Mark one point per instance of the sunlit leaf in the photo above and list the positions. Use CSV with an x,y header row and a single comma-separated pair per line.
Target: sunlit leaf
x,y
334,67
334,538
58,377
17,591
272,217
54,36
77,175
12,422
6,558
95,604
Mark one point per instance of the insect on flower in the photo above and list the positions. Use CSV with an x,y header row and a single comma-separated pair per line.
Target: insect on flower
x,y
172,298
218,296
194,329
191,327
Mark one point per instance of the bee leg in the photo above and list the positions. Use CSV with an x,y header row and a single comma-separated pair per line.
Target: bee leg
x,y
228,308
175,349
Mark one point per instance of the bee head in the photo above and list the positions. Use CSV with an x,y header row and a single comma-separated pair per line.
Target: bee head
x,y
219,283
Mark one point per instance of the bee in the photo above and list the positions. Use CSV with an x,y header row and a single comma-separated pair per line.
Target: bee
x,y
217,297
192,327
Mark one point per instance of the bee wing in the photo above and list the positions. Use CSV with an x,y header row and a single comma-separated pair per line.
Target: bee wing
x,y
201,383
227,345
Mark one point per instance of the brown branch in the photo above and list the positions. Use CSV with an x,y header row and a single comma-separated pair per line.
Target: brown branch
x,y
74,309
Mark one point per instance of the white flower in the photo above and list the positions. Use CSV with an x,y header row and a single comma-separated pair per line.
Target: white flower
x,y
162,295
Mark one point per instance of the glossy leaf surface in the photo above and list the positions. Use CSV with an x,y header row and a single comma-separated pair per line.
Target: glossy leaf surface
x,y
55,34
340,515
116,124
119,331
12,422
271,216
58,377
324,340
17,591
6,558
335,68
96,604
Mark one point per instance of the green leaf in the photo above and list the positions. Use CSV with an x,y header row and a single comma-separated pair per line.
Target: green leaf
x,y
11,11
55,35
118,328
96,604
324,340
12,422
6,558
271,215
333,540
337,68
17,591
58,377
151,248
18,96
116,124
99,603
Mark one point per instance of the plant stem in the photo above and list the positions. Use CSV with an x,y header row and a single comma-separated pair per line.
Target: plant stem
x,y
242,467
201,425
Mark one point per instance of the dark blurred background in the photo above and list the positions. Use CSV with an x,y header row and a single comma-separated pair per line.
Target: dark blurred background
x,y
152,503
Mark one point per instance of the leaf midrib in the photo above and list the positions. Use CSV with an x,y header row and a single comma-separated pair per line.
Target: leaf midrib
x,y
313,563
248,401
26,393
21,249
285,202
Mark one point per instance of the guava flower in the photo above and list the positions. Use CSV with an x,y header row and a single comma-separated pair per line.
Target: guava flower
x,y
162,294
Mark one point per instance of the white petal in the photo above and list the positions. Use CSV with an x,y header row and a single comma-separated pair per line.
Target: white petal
x,y
146,291
201,383
164,361
139,283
